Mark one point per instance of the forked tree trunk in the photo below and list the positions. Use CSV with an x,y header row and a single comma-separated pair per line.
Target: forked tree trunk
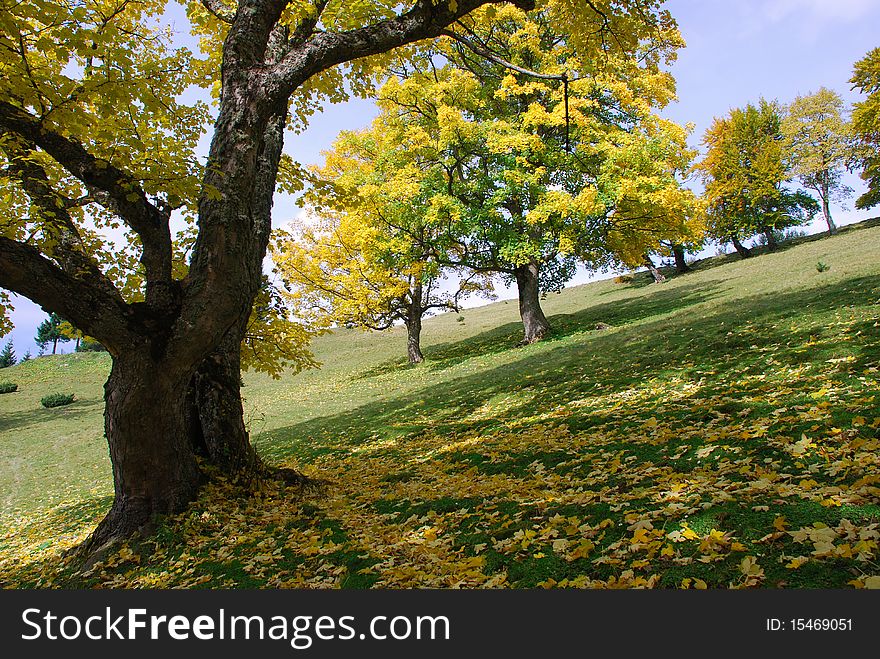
x,y
154,466
743,251
535,325
772,244
655,273
414,334
826,211
681,265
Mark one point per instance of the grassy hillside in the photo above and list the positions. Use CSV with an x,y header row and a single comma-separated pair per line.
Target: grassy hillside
x,y
723,431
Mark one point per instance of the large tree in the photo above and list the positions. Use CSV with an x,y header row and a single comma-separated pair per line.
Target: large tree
x,y
866,125
96,138
527,154
745,172
819,146
366,255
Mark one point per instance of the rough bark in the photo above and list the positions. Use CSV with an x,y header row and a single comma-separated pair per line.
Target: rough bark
x,y
658,276
414,334
535,324
681,265
154,467
743,251
215,415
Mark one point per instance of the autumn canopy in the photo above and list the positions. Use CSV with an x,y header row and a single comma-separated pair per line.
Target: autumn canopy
x,y
99,147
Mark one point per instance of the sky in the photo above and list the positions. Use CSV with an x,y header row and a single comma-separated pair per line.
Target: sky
x,y
737,52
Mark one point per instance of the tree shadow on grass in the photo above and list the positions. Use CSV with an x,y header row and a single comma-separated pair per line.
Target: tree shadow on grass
x,y
506,337
23,418
555,375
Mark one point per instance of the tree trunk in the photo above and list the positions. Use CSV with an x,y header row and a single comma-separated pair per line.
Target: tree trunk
x,y
772,245
414,328
743,251
535,324
215,417
54,345
655,273
826,211
681,265
154,467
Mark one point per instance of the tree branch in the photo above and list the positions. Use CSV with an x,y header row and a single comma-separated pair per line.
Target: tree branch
x,y
25,271
307,25
492,57
219,10
325,50
113,188
67,247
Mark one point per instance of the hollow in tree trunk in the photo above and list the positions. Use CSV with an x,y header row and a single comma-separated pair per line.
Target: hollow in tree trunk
x,y
535,325
655,273
215,415
681,265
743,251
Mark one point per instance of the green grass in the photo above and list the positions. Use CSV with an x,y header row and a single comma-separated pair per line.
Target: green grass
x,y
492,465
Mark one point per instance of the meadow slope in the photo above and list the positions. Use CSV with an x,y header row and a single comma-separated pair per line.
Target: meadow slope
x,y
722,432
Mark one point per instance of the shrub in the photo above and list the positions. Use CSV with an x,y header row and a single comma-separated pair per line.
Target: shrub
x,y
8,387
460,319
57,400
821,266
90,346
623,279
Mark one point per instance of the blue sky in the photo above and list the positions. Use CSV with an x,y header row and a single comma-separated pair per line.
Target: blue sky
x,y
737,52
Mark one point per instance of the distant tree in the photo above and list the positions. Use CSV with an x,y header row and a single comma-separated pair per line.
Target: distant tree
x,y
51,331
866,125
528,161
7,355
27,357
819,145
72,334
679,252
744,173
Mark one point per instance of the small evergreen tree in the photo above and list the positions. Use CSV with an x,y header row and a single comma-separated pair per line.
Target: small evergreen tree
x,y
7,356
27,357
